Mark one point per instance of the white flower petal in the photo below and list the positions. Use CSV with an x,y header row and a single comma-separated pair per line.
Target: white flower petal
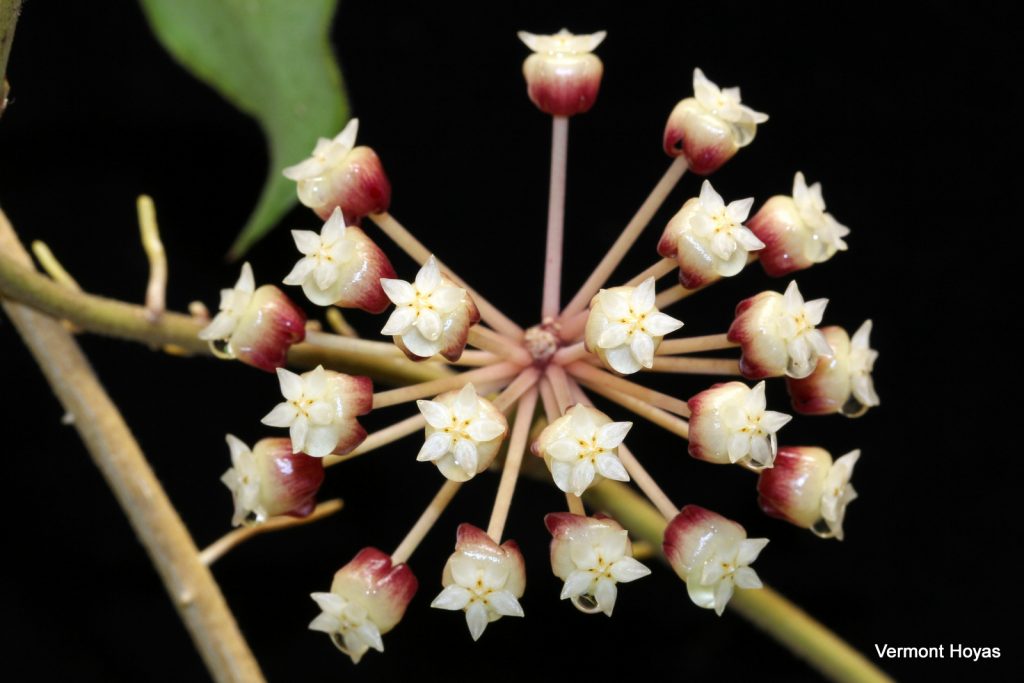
x,y
577,583
429,324
746,577
611,467
642,299
482,430
505,604
446,299
615,335
749,549
300,272
642,348
582,477
452,598
438,415
605,595
660,324
709,199
628,569
400,292
291,384
436,445
466,456
282,415
400,321
429,277
476,619
612,434
307,241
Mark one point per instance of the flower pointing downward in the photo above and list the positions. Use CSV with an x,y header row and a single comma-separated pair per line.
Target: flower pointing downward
x,y
591,554
483,579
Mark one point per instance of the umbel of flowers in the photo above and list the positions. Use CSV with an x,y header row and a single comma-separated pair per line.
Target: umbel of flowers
x,y
477,402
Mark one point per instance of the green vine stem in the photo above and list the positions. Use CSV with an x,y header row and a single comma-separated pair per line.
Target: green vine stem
x,y
766,609
122,320
9,10
191,586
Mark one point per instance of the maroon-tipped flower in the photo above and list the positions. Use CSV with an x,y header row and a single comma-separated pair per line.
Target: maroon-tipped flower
x,y
340,175
842,382
777,334
368,598
563,75
341,266
711,554
432,314
483,579
797,231
271,480
710,127
256,326
807,489
591,554
729,424
320,408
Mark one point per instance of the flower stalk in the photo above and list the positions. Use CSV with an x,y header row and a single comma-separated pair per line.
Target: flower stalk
x,y
629,235
229,541
556,219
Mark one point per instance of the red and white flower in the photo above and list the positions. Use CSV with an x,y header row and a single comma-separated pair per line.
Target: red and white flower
x,y
777,334
341,266
483,579
270,480
708,238
797,231
840,383
809,490
581,447
592,555
624,328
729,424
563,75
710,127
464,432
712,555
367,599
320,410
340,175
256,326
432,314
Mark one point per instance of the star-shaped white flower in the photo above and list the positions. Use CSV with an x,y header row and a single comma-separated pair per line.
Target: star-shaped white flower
x,y
581,445
233,303
313,411
862,362
711,583
624,327
721,232
422,309
324,255
243,480
723,103
562,42
838,492
348,624
797,320
326,154
464,432
827,231
592,556
752,428
712,555
483,579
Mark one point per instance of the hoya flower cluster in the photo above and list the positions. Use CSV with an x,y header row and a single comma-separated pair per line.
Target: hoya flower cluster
x,y
599,347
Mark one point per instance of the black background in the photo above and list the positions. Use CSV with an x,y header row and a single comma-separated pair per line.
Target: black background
x,y
908,121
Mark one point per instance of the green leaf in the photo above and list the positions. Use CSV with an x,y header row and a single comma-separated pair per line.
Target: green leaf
x,y
272,60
